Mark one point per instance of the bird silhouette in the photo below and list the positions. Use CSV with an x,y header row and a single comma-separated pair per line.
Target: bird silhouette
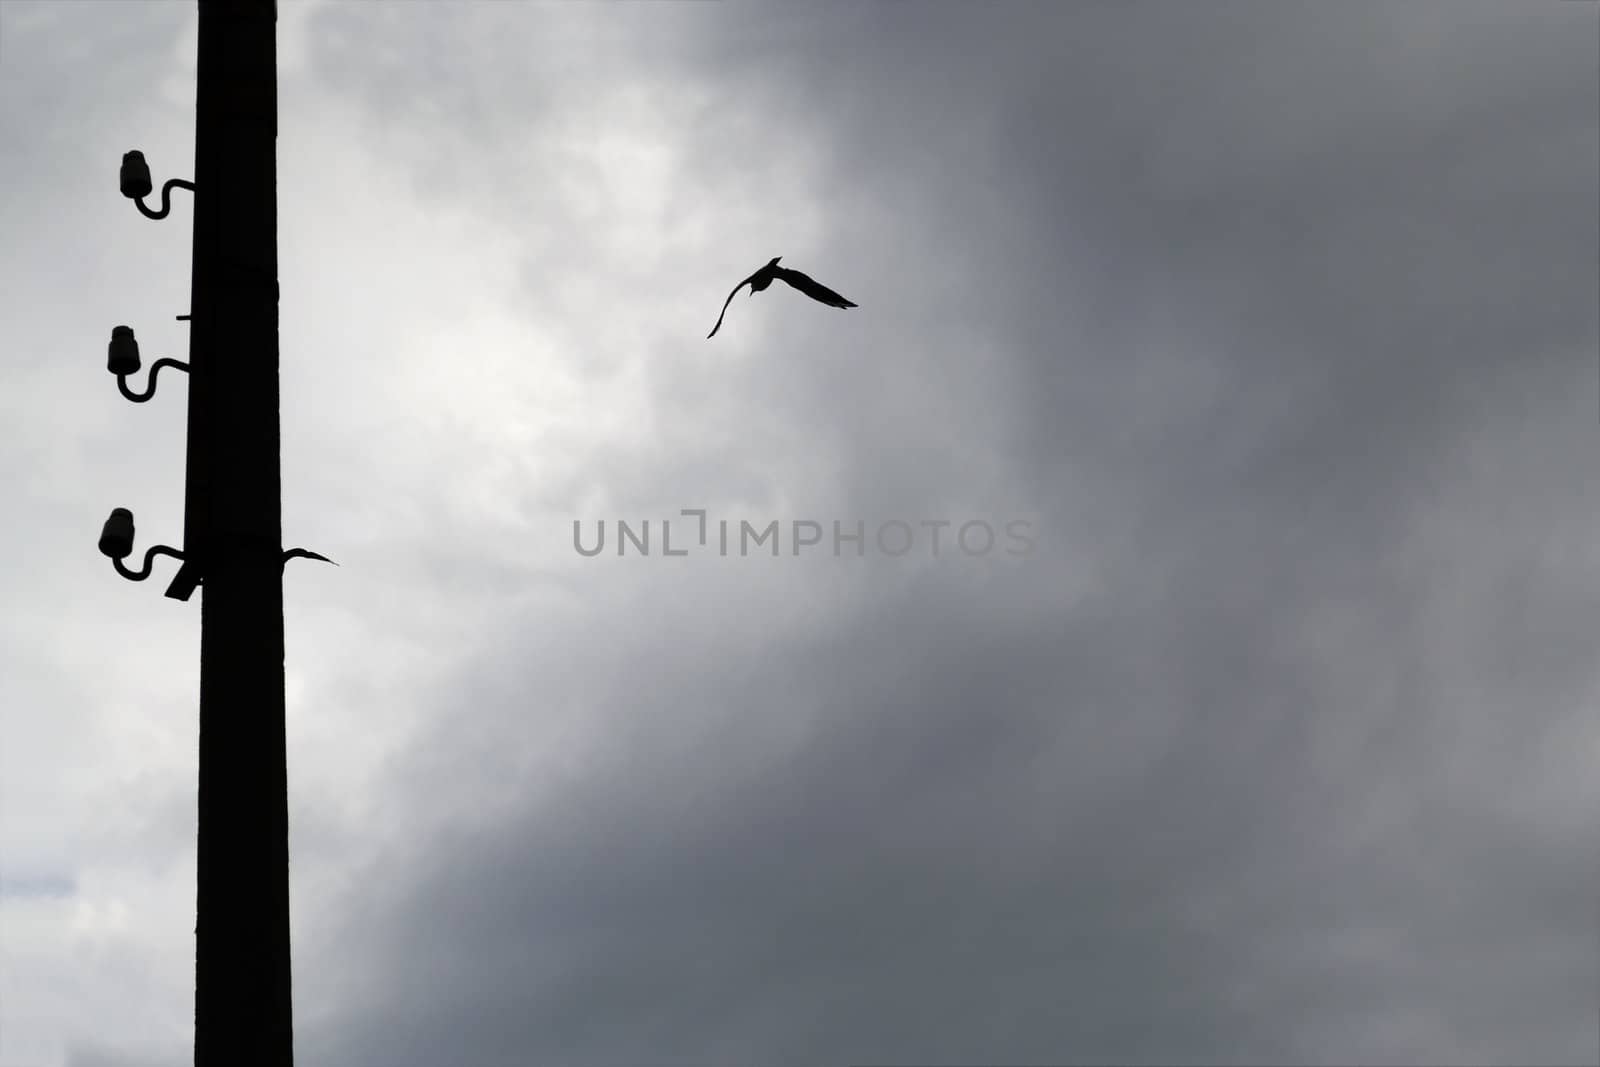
x,y
772,272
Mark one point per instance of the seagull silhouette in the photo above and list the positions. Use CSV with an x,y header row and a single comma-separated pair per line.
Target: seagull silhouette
x,y
771,272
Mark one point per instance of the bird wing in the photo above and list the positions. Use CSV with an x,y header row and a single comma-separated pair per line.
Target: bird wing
x,y
814,289
728,301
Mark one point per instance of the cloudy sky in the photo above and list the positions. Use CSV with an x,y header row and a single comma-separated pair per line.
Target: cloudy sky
x,y
1275,325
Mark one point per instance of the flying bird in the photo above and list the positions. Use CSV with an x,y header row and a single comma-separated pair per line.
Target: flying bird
x,y
765,277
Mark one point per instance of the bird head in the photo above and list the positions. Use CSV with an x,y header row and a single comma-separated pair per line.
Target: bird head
x,y
773,262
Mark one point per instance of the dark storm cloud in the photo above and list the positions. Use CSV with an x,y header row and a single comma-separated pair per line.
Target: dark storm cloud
x,y
1283,320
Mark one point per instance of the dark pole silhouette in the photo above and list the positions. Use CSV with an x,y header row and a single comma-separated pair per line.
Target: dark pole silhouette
x,y
233,537
772,272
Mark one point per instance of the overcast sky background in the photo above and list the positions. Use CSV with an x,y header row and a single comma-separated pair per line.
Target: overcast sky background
x,y
1278,321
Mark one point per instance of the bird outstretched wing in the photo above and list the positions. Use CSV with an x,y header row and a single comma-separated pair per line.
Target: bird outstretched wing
x,y
728,301
814,289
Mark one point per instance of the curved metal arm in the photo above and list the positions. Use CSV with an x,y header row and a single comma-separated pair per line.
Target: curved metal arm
x,y
166,198
304,553
149,557
150,382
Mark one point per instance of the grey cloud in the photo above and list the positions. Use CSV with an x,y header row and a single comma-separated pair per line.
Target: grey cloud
x,y
1222,775
1282,324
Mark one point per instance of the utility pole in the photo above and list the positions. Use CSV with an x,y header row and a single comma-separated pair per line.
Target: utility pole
x,y
232,537
243,1013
